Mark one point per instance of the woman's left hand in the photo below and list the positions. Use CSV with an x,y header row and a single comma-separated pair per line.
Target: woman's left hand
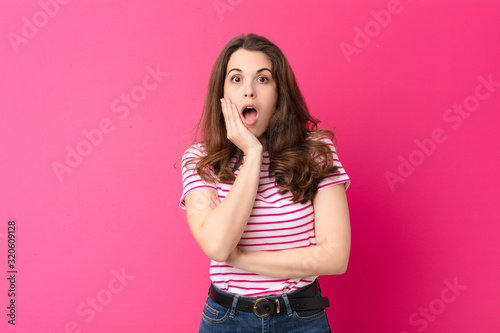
x,y
215,201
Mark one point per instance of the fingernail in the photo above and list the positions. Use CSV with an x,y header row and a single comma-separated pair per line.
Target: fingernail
x,y
222,100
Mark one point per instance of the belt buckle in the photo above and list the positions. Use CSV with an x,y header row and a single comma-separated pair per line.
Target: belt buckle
x,y
255,308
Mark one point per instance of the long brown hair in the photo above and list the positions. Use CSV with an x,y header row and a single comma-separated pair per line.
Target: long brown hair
x,y
293,156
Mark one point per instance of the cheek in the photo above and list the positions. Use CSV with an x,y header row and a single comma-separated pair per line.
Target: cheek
x,y
269,96
273,98
267,117
227,91
231,94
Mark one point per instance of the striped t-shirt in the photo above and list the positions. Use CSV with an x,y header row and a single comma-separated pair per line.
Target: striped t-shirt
x,y
275,223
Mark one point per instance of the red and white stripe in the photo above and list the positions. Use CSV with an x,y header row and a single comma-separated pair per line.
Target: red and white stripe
x,y
275,223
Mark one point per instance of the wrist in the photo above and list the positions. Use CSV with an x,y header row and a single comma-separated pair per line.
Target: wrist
x,y
254,152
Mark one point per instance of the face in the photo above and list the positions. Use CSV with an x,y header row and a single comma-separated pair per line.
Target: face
x,y
250,86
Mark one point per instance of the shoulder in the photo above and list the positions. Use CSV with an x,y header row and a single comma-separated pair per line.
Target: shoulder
x,y
323,138
195,151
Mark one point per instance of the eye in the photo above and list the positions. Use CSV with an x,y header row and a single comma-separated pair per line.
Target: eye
x,y
236,79
263,79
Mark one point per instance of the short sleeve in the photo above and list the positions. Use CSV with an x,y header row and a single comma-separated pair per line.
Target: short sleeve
x,y
191,180
337,178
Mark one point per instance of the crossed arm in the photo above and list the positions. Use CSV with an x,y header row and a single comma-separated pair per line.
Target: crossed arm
x,y
330,255
332,231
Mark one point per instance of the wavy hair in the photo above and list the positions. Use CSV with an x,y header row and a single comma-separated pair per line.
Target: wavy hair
x,y
291,137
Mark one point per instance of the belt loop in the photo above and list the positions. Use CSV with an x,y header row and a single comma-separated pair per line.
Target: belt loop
x,y
233,306
287,304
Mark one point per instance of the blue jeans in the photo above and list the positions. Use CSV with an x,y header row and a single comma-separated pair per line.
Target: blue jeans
x,y
219,319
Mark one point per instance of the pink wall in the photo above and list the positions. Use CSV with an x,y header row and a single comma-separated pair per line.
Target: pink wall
x,y
101,245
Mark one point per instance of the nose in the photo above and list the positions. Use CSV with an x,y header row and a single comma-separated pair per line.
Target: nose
x,y
249,91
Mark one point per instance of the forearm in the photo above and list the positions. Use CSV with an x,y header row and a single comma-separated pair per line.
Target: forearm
x,y
224,225
321,259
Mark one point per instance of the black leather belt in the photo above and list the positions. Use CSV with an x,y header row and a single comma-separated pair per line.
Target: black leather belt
x,y
303,299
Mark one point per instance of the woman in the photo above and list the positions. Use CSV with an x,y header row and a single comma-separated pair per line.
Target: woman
x,y
264,194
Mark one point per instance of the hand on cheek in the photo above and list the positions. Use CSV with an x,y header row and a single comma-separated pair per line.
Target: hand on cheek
x,y
237,132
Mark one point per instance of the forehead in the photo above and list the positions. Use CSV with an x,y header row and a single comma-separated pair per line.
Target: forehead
x,y
249,61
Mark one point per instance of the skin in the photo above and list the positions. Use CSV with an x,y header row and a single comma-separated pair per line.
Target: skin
x,y
249,80
218,226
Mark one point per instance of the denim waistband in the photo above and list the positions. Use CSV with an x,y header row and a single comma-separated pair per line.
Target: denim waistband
x,y
285,301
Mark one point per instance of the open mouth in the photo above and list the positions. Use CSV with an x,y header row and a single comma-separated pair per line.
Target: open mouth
x,y
250,115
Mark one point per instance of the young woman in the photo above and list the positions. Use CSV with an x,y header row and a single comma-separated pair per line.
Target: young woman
x,y
264,194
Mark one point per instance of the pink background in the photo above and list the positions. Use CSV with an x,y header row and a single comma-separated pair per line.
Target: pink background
x,y
63,74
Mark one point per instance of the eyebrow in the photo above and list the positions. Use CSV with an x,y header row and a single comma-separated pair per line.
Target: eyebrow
x,y
258,71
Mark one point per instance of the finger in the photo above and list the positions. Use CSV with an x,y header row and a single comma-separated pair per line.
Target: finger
x,y
229,112
216,200
223,107
234,124
237,115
